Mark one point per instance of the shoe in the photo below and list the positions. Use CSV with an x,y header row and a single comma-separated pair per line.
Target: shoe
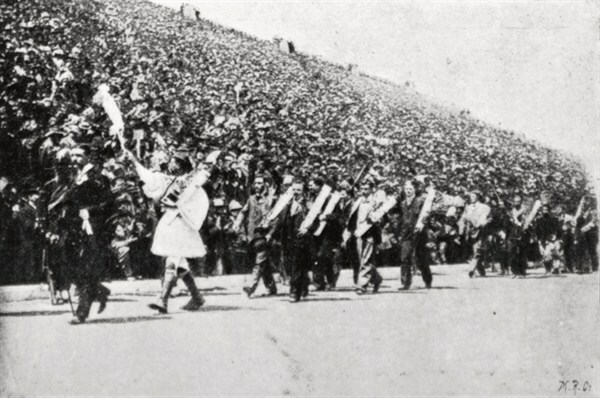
x,y
294,298
360,291
428,285
131,278
272,292
102,306
377,285
194,304
248,291
471,274
159,306
77,320
404,287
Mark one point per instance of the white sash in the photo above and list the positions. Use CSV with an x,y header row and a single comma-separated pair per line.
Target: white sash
x,y
316,207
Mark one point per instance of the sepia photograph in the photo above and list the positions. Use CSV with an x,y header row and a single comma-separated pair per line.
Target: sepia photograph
x,y
327,198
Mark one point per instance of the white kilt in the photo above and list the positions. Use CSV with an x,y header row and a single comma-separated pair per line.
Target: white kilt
x,y
175,238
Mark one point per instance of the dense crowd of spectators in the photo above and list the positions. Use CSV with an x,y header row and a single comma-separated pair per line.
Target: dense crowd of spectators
x,y
187,87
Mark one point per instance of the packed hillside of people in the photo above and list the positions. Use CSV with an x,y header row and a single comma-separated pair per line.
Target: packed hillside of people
x,y
188,87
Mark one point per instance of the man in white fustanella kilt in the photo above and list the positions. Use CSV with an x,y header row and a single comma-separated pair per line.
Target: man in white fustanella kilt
x,y
177,238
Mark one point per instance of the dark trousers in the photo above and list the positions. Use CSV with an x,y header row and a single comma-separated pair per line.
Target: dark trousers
x,y
414,252
350,257
298,256
477,263
327,266
569,250
58,266
517,257
366,249
90,290
262,269
89,263
589,242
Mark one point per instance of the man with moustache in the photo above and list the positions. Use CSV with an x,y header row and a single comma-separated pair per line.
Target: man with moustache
x,y
412,239
177,237
295,243
516,238
251,222
87,204
364,235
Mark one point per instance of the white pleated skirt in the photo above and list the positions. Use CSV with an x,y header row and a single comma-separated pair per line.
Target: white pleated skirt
x,y
175,238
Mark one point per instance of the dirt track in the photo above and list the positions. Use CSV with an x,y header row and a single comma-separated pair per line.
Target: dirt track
x,y
483,336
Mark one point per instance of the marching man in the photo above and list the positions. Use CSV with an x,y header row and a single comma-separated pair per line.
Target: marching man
x,y
177,235
367,235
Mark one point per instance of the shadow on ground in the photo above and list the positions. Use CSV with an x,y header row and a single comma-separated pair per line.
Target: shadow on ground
x,y
34,313
211,308
531,276
127,319
265,296
440,288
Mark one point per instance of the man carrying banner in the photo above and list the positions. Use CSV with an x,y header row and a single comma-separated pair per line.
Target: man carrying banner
x,y
295,242
322,246
364,229
472,222
328,236
177,234
587,232
252,222
412,239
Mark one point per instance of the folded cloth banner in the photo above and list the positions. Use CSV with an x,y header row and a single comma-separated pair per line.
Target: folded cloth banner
x,y
442,202
426,209
536,207
383,209
476,214
316,207
282,202
103,97
333,201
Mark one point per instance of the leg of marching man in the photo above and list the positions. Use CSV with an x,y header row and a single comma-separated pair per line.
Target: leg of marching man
x,y
177,267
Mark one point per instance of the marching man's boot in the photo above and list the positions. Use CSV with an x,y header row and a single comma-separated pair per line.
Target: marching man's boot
x,y
168,284
197,300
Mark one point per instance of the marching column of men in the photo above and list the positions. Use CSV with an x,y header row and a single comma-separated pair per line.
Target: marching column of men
x,y
320,230
325,229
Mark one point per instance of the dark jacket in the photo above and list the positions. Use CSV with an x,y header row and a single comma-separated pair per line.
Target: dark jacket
x,y
409,215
